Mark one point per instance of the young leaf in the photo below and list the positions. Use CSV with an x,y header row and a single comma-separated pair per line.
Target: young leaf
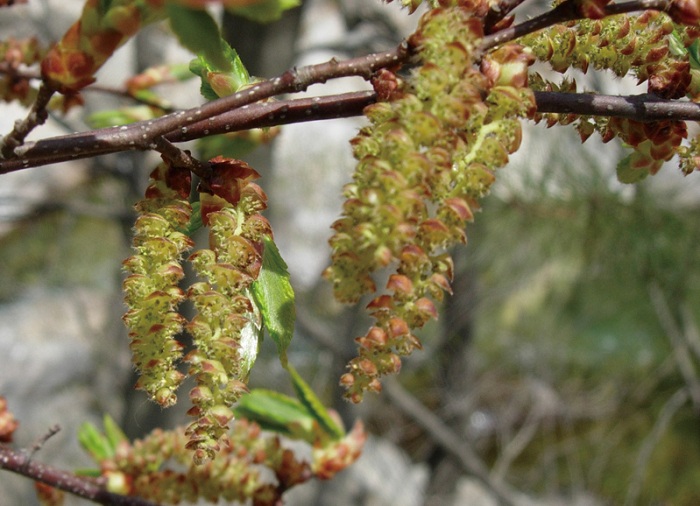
x,y
274,296
265,11
195,222
226,145
251,338
94,442
198,32
694,52
123,116
628,174
113,432
314,406
277,412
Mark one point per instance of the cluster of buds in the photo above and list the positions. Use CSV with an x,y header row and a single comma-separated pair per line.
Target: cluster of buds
x,y
256,466
140,469
8,424
102,28
227,326
640,44
653,142
330,459
14,54
423,163
689,160
151,288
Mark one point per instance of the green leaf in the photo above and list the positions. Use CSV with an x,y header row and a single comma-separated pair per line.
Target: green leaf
x,y
265,11
251,339
218,81
113,432
694,52
198,32
314,406
274,296
123,116
628,174
90,472
198,68
94,442
277,412
195,222
226,145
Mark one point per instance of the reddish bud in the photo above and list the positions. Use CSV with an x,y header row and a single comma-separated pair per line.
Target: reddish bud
x,y
592,9
8,424
347,380
377,336
374,386
427,308
400,284
398,327
686,12
367,367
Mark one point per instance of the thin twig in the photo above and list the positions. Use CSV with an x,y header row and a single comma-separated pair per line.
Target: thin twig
x,y
449,441
692,334
565,11
182,158
141,135
19,462
678,345
518,443
37,116
32,74
667,412
39,443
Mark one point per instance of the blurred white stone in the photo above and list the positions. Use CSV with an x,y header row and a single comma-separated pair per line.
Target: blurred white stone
x,y
383,476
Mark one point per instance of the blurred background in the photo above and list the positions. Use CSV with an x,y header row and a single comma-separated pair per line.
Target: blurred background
x,y
564,370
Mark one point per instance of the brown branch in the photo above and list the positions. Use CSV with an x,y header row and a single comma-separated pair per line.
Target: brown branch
x,y
94,143
645,107
181,158
20,462
142,134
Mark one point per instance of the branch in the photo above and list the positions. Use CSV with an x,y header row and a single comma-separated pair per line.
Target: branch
x,y
97,142
20,462
142,134
562,13
645,107
678,344
667,412
448,440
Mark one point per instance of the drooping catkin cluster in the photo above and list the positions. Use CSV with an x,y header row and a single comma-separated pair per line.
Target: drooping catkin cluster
x,y
423,163
649,46
256,467
151,290
640,44
226,329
